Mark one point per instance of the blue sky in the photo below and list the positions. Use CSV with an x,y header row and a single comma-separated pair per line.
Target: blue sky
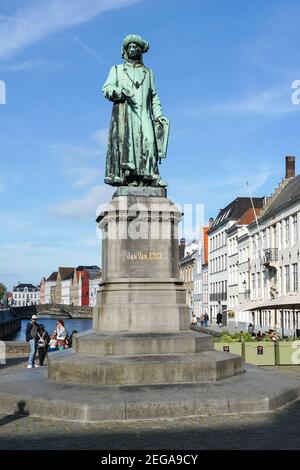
x,y
223,71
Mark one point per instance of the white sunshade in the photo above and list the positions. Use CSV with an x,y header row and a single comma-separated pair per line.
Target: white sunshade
x,y
287,302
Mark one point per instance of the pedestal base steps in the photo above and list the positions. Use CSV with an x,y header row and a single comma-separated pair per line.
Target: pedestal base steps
x,y
142,358
27,391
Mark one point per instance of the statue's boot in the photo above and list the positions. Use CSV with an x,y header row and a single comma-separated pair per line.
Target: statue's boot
x,y
115,181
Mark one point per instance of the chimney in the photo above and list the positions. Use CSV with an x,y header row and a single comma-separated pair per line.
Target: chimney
x,y
181,248
289,167
210,222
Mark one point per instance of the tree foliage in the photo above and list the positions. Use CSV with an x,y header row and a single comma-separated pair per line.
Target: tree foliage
x,y
3,290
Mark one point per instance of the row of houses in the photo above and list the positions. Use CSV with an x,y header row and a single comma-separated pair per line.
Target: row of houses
x,y
67,285
248,256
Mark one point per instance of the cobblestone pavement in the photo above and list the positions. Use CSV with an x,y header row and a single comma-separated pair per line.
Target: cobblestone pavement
x,y
277,430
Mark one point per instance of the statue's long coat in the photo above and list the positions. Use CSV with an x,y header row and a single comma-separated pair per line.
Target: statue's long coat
x,y
132,143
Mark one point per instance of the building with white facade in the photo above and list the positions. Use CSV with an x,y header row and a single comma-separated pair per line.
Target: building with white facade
x,y
201,275
186,269
25,294
238,266
274,246
95,280
50,284
218,254
66,289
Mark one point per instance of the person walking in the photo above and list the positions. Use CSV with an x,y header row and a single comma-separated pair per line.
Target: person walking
x,y
206,318
31,338
219,319
60,334
201,319
43,340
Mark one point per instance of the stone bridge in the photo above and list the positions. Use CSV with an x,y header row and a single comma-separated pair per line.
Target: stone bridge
x,y
66,311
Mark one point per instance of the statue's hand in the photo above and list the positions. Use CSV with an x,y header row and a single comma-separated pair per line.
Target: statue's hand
x,y
128,95
161,119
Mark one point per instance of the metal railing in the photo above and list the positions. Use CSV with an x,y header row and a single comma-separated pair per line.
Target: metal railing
x,y
270,255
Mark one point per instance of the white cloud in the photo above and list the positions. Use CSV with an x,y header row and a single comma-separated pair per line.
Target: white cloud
x,y
84,176
70,154
101,137
26,65
41,19
274,101
94,146
84,206
89,50
83,163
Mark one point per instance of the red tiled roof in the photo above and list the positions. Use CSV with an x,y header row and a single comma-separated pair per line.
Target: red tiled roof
x,y
249,216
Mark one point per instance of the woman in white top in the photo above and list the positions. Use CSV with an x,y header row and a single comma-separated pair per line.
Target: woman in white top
x,y
60,334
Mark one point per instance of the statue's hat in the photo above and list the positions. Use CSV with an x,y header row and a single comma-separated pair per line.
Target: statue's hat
x,y
136,39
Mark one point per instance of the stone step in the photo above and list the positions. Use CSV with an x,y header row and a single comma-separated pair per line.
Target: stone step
x,y
125,343
27,391
69,366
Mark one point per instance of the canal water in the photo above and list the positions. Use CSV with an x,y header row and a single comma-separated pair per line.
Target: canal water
x,y
50,325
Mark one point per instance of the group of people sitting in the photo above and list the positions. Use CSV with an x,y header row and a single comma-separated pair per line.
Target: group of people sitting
x,y
41,342
259,336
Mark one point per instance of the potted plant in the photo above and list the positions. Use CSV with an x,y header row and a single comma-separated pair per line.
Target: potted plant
x,y
229,343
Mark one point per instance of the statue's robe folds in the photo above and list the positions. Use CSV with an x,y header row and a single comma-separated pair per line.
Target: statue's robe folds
x,y
132,143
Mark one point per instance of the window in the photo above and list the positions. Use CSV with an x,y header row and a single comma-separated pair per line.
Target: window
x,y
265,284
280,240
295,277
287,233
253,285
259,285
294,229
281,283
287,279
253,246
274,236
264,239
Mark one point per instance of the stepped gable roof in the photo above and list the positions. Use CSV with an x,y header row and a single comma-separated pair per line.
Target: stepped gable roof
x,y
69,276
65,272
235,210
290,193
52,277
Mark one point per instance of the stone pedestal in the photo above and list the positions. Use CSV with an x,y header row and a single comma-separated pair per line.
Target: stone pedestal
x,y
141,290
141,324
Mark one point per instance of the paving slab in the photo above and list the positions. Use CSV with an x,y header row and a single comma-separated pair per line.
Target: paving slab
x,y
29,392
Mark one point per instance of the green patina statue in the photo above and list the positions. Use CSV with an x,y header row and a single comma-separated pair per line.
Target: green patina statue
x,y
138,135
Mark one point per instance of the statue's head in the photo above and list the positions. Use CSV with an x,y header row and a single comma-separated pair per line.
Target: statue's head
x,y
133,47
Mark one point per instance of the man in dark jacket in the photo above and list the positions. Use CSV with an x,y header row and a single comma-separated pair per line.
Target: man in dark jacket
x,y
31,338
219,318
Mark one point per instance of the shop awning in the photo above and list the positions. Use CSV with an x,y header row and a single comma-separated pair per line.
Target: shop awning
x,y
285,302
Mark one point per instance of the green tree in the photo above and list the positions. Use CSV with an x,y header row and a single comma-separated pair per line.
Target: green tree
x,y
3,290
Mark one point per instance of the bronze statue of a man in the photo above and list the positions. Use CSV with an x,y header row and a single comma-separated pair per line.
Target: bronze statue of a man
x,y
138,133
